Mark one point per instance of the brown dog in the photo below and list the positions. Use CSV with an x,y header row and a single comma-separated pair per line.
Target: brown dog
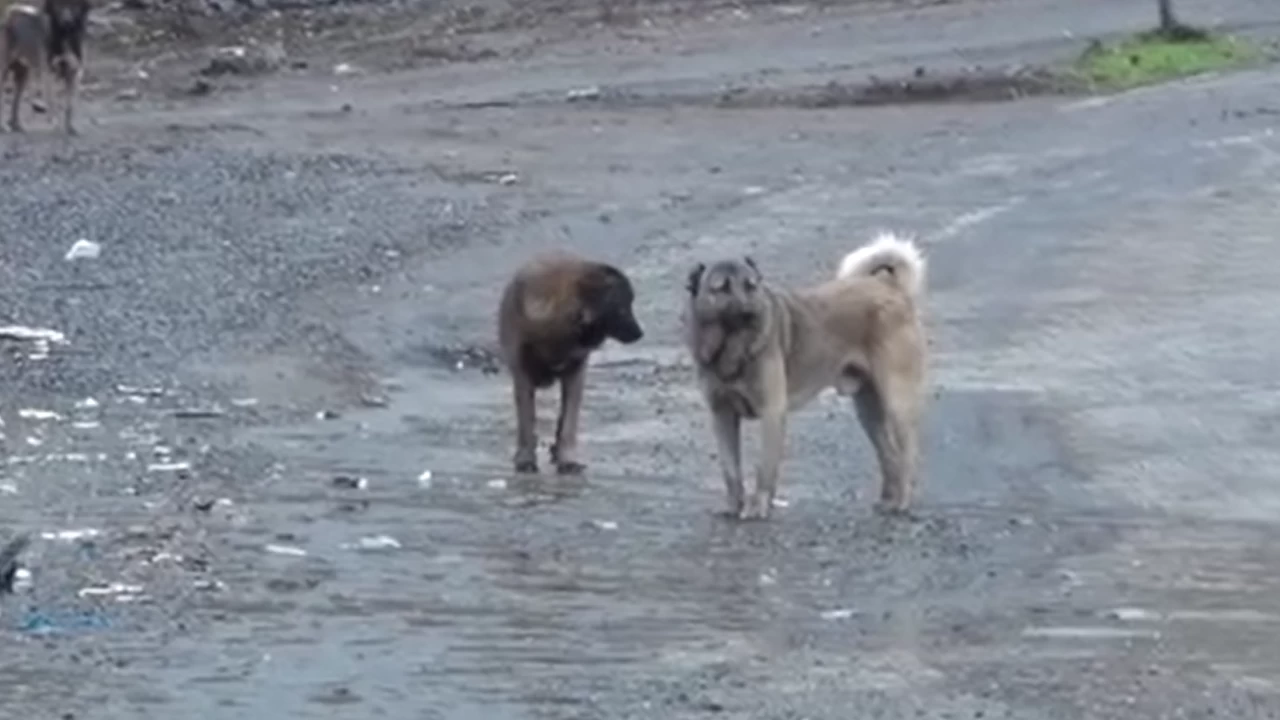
x,y
44,39
555,312
762,352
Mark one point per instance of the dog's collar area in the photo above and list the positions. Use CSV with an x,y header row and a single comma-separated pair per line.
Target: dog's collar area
x,y
738,320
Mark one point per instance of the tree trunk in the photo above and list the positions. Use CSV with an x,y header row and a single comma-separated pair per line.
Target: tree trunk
x,y
1167,20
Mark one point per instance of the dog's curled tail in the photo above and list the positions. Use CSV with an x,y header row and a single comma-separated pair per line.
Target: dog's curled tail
x,y
898,255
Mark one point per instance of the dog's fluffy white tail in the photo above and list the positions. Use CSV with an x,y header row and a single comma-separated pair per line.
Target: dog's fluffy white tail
x,y
899,255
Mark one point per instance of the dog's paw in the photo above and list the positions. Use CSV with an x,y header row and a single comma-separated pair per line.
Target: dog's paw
x,y
732,510
756,508
570,467
526,466
893,508
733,504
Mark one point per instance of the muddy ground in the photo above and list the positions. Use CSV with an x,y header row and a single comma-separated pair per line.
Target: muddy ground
x,y
266,472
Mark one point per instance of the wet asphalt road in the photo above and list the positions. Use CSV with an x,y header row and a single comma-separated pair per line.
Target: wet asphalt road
x,y
1095,532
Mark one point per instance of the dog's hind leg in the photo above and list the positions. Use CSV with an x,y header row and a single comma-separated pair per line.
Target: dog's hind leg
x,y
69,105
526,458
889,416
4,80
564,453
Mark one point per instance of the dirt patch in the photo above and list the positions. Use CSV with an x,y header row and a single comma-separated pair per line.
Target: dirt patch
x,y
979,85
165,39
975,86
464,357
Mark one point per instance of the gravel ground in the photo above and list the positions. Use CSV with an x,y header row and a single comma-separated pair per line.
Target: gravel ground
x,y
266,473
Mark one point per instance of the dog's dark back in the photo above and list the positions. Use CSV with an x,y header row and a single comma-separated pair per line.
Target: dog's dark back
x,y
579,303
68,22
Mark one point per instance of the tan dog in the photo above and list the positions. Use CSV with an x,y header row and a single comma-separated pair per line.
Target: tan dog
x,y
762,352
555,312
44,39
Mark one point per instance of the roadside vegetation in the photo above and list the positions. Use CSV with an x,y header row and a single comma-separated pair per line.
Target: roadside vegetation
x,y
1164,54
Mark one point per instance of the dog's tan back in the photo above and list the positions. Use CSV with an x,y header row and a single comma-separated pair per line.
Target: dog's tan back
x,y
848,324
26,38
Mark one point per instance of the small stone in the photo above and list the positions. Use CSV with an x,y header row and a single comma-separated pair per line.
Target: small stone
x,y
286,550
374,400
350,482
1132,614
840,614
245,60
9,563
580,94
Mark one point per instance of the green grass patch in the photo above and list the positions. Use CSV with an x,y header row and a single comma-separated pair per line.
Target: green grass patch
x,y
1153,57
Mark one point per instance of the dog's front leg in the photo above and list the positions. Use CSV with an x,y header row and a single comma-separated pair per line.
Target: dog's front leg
x,y
69,102
20,76
773,431
45,103
728,427
564,453
74,69
526,458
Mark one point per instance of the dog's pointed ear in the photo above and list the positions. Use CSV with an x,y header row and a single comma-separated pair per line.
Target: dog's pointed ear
x,y
695,278
758,277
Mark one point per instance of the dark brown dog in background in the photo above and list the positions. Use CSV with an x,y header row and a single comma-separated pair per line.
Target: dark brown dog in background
x,y
45,39
556,311
762,351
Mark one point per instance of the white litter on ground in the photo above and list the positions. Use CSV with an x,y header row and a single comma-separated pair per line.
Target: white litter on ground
x,y
112,589
168,467
286,550
84,249
71,535
30,334
375,542
841,614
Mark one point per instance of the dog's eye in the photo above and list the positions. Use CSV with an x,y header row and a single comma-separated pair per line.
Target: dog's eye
x,y
749,285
